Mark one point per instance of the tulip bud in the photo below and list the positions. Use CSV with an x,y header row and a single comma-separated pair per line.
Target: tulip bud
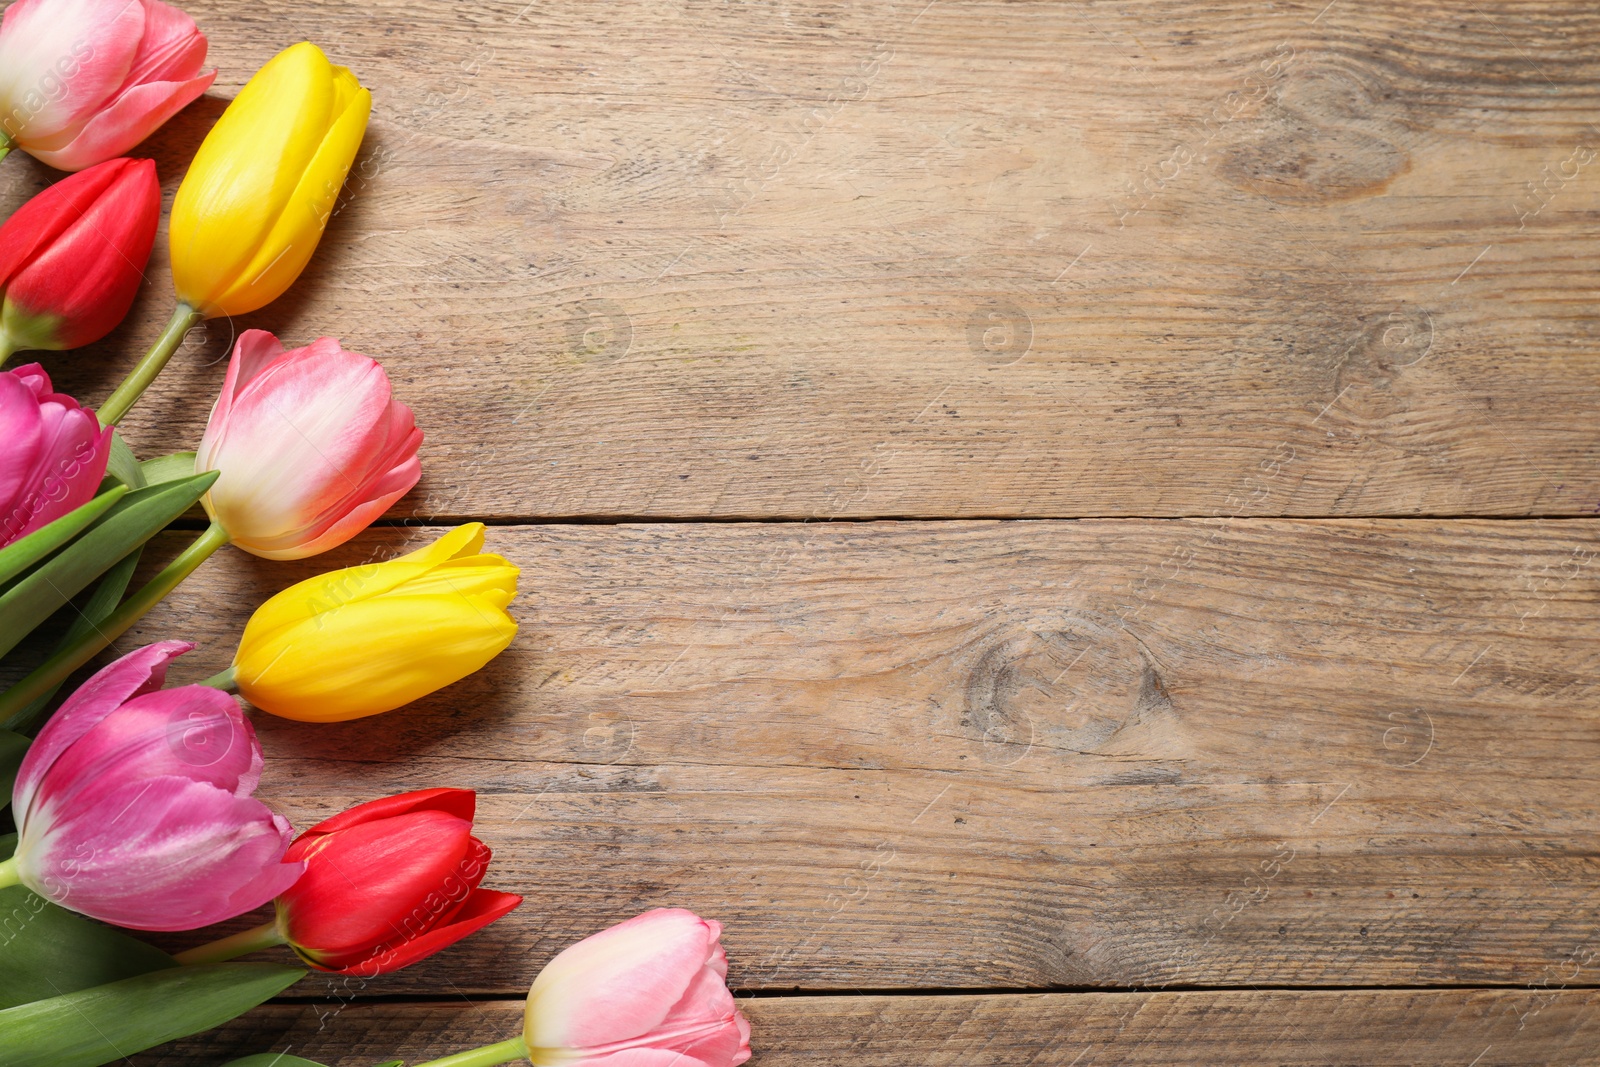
x,y
368,639
310,444
133,804
649,990
55,453
72,258
82,81
263,184
388,883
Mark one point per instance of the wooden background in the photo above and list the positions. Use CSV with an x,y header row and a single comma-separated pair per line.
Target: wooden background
x,y
1067,526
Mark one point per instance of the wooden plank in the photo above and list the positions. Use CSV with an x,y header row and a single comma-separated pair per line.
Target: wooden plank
x,y
1102,753
948,259
1377,1028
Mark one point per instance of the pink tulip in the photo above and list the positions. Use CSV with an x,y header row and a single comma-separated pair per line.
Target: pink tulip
x,y
650,992
54,452
83,81
310,444
133,804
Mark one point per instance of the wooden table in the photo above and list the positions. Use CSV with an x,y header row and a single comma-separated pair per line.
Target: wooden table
x,y
1069,527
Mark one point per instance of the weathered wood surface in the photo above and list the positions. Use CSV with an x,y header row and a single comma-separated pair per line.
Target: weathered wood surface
x,y
1375,1028
688,259
1102,753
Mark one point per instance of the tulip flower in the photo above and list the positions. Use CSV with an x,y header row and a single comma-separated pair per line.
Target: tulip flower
x,y
649,991
72,258
387,883
133,804
310,444
55,452
368,639
82,81
254,203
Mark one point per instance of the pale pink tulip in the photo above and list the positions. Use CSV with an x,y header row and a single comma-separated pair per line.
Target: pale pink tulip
x,y
54,452
310,444
649,992
133,804
83,81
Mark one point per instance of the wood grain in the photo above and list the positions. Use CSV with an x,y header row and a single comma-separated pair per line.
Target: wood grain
x,y
1103,753
1376,1028
688,259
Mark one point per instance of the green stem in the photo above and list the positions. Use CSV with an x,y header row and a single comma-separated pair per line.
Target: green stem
x,y
55,669
226,948
8,873
6,145
227,681
138,380
487,1056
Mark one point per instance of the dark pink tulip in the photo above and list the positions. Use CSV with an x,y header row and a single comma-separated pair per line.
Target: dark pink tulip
x,y
54,452
133,804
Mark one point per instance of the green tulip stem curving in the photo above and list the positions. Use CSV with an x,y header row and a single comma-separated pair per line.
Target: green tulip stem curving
x,y
8,872
55,669
227,681
267,935
487,1056
138,380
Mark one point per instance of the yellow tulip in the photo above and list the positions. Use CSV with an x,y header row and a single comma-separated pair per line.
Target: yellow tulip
x,y
368,639
262,187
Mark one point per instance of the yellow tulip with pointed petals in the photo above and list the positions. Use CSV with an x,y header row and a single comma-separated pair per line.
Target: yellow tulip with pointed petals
x,y
262,187
368,639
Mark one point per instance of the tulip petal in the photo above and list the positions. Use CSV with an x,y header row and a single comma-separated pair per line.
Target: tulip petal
x,y
132,117
172,48
618,984
295,233
482,907
62,59
141,671
196,855
193,732
38,223
22,429
374,883
446,639
462,803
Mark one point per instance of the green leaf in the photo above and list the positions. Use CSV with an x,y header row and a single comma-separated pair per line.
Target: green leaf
x,y
102,602
131,522
168,468
23,553
106,1023
12,748
278,1059
8,846
122,465
48,950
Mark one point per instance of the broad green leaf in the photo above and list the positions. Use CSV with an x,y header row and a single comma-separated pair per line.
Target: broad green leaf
x,y
122,465
131,522
8,846
168,468
107,1023
23,553
12,748
48,950
101,603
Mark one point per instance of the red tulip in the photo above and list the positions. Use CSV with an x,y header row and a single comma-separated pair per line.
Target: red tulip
x,y
72,258
388,883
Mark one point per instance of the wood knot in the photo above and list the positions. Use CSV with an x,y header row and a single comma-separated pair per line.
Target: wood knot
x,y
1068,682
1329,133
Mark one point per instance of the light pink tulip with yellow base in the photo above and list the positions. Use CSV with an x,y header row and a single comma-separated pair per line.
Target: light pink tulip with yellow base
x,y
256,198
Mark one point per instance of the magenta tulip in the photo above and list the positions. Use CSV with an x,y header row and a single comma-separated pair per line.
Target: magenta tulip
x,y
83,81
54,452
652,990
310,444
133,804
